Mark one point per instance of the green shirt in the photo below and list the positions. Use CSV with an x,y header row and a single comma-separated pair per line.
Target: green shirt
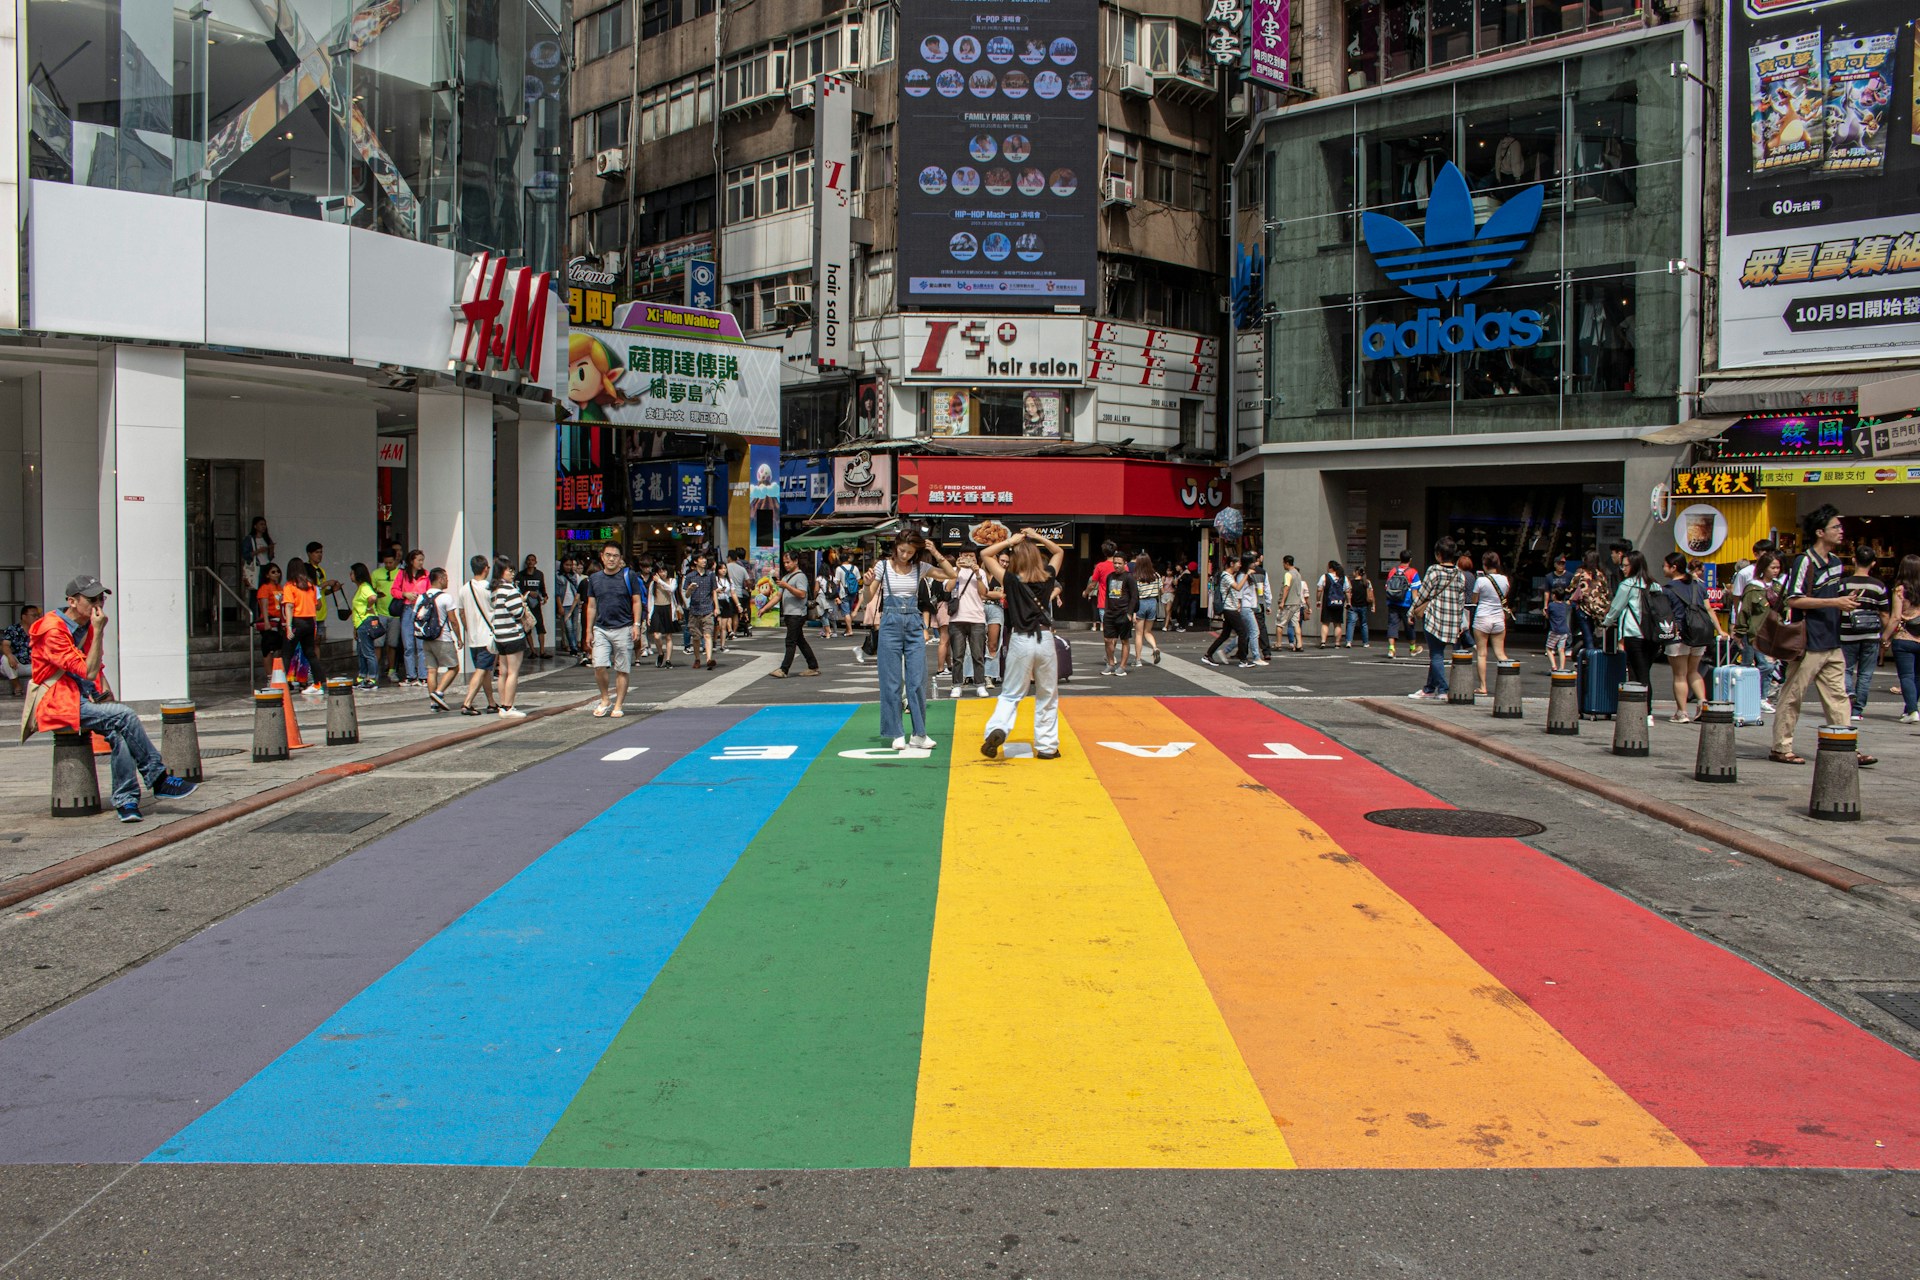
x,y
383,587
366,604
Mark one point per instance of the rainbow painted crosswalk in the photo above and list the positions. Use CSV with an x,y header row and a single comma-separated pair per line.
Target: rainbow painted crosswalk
x,y
1179,945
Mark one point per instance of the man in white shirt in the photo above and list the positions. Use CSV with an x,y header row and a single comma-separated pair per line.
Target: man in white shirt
x,y
476,611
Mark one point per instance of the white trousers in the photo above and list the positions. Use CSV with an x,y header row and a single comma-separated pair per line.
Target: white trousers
x,y
1030,658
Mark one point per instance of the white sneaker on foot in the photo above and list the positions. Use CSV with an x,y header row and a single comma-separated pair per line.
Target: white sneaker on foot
x,y
899,744
921,742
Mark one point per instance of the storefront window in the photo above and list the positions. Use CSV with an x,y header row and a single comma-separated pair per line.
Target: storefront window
x,y
1568,316
1389,38
439,120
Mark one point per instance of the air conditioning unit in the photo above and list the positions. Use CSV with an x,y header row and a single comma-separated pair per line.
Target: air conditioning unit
x,y
793,295
1118,191
1136,80
610,163
1123,270
800,97
1237,106
610,262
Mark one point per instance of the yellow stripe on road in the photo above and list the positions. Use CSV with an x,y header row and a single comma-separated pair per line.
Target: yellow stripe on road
x,y
1377,1041
1066,1024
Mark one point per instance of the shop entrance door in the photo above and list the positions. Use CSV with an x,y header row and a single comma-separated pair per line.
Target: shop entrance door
x,y
223,495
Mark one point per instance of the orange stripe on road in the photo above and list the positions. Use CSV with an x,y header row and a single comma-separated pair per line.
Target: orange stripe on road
x,y
1376,1041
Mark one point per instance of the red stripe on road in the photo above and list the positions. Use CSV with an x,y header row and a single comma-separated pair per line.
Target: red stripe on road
x,y
1744,1068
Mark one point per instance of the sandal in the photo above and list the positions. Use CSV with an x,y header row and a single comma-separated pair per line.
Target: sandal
x,y
1785,757
1678,718
1866,761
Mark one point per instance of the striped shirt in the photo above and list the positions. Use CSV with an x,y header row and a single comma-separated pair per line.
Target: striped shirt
x,y
897,584
507,606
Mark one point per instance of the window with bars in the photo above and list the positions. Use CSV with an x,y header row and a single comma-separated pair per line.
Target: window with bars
x,y
676,106
603,31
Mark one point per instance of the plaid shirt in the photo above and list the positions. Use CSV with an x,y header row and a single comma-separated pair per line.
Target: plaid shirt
x,y
1443,589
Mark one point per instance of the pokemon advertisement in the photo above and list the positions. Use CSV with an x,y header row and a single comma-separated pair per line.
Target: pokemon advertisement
x,y
1820,253
644,379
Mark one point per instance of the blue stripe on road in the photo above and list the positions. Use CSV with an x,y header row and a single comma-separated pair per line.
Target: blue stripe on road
x,y
468,1051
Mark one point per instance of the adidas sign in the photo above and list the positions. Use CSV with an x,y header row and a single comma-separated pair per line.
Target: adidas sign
x,y
1431,334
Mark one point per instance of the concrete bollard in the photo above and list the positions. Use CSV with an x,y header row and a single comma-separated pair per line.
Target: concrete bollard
x,y
269,727
1506,693
343,720
1460,678
1563,705
1630,737
180,741
1714,761
76,787
1836,775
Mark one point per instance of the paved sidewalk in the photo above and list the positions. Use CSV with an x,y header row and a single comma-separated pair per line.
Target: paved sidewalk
x,y
390,719
1769,801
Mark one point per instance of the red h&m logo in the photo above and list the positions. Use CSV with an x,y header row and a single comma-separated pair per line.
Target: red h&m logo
x,y
484,338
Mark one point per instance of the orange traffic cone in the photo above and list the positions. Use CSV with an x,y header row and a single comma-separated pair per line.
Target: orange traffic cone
x,y
279,682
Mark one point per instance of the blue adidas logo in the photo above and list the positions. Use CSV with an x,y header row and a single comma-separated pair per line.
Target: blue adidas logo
x,y
1458,258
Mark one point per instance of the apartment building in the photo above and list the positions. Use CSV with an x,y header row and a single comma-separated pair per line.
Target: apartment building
x,y
694,138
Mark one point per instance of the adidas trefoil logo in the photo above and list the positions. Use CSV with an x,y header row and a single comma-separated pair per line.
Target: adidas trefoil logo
x,y
1458,258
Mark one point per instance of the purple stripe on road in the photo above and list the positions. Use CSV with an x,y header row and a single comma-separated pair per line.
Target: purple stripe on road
x,y
109,1077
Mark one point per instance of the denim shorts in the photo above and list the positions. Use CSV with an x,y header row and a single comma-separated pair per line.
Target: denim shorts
x,y
482,659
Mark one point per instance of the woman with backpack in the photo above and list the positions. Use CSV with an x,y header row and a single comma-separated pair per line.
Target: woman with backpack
x,y
1333,602
1697,627
1489,593
1359,606
1761,594
1148,609
368,627
1030,580
1589,594
1399,589
1630,613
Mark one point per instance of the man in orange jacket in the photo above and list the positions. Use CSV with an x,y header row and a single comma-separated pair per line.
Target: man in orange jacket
x,y
67,650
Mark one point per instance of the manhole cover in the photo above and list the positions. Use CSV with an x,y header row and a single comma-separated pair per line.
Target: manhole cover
x,y
1455,822
338,822
1904,1005
214,753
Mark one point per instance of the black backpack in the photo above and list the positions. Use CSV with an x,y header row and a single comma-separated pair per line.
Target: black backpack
x,y
426,616
1659,622
1696,628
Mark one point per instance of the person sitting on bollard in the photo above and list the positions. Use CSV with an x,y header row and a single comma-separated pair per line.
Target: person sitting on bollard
x,y
69,694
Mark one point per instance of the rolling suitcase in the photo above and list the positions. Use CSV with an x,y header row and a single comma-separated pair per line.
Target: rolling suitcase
x,y
1738,685
1064,652
1601,672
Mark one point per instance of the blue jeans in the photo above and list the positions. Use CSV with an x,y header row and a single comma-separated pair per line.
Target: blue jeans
x,y
134,757
902,657
412,647
1357,621
1906,660
366,649
1863,662
1250,630
1436,664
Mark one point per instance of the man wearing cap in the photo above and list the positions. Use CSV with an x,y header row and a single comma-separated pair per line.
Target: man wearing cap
x,y
67,651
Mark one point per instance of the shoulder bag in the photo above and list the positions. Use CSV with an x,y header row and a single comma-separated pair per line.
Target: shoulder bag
x,y
1779,637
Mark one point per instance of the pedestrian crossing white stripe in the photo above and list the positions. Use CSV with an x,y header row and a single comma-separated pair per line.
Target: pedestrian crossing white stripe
x,y
625,753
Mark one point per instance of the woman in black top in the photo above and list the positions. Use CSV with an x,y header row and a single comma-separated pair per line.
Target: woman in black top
x,y
533,586
1029,580
796,591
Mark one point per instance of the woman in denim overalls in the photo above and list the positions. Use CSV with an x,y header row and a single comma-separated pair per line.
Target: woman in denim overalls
x,y
894,584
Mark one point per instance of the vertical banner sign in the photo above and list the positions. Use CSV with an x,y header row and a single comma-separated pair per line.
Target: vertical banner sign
x,y
1223,31
832,222
1269,42
703,283
1820,257
999,112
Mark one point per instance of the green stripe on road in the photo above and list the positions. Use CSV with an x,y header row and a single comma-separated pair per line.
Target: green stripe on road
x,y
785,1031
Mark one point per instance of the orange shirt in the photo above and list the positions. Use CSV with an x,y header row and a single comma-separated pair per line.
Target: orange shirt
x,y
270,596
305,600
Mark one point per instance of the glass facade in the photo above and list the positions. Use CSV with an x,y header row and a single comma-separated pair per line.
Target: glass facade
x,y
436,120
1354,355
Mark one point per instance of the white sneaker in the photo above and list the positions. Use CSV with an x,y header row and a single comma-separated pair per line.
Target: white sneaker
x,y
921,742
984,692
899,744
955,691
1911,717
1767,706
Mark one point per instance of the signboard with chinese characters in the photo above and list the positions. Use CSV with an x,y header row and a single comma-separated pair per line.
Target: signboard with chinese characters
x,y
863,484
1792,477
1716,482
1270,42
999,181
806,487
1820,257
1224,21
590,297
580,495
682,384
1060,486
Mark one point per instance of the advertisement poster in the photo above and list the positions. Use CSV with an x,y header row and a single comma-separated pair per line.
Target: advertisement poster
x,y
1820,258
1041,413
951,408
832,223
1269,42
999,109
660,380
863,484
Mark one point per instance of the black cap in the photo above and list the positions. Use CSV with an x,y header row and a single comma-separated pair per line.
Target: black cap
x,y
87,585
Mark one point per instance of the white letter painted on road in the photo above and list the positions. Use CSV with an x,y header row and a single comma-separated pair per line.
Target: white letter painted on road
x,y
1165,751
625,753
1286,751
755,753
886,753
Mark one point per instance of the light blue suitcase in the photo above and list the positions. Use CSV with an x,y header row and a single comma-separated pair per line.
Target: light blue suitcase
x,y
1738,685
